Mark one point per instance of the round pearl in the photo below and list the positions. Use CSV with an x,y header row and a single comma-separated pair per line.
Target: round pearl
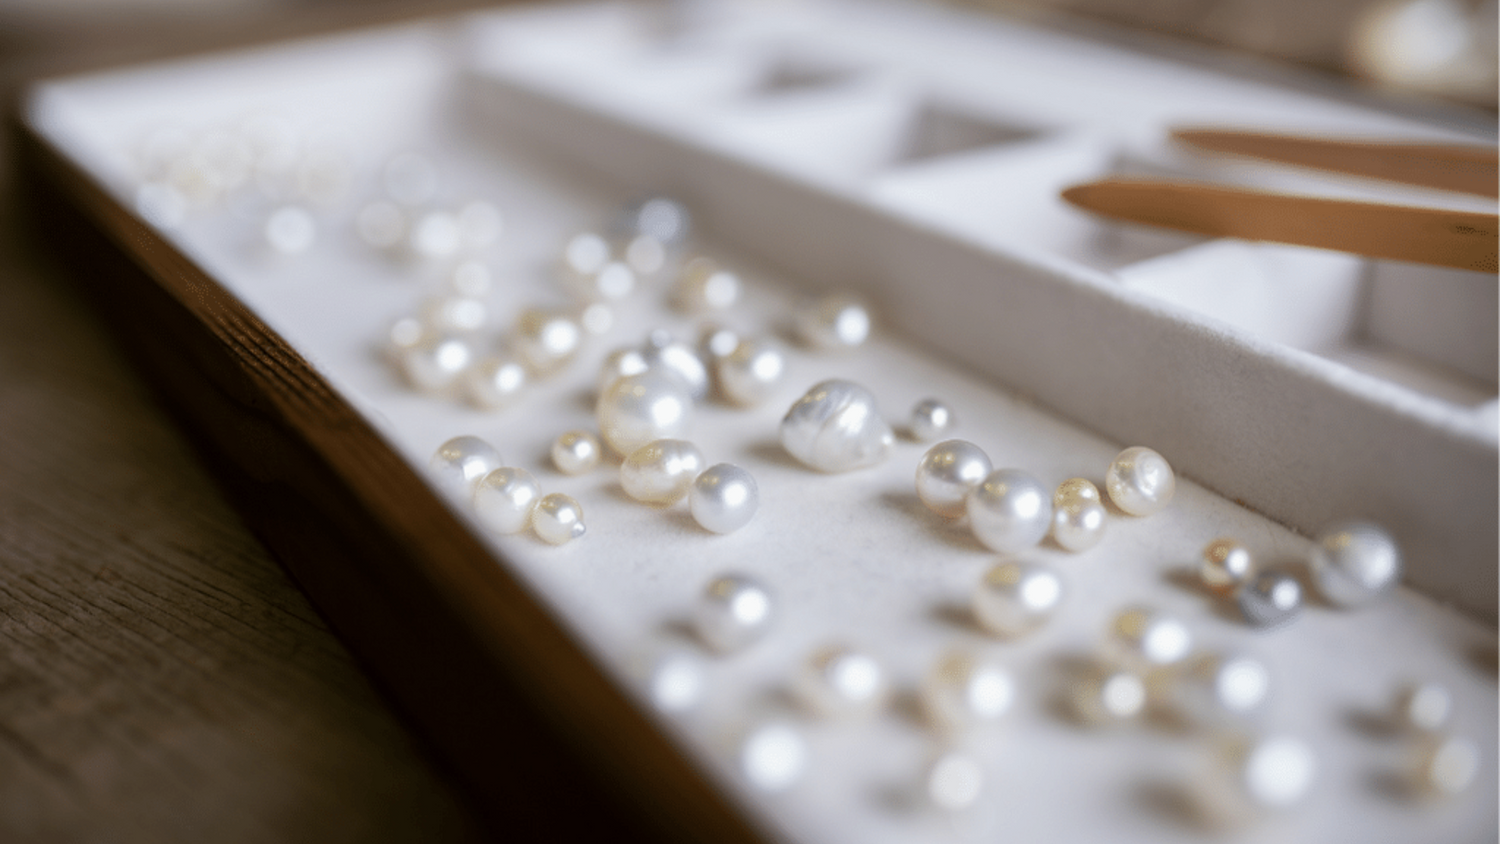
x,y
496,382
436,234
546,339
504,499
575,452
840,680
675,681
1278,772
751,373
1354,562
1447,766
773,757
834,322
1103,694
1140,481
948,471
1424,707
705,286
1226,565
620,363
584,255
716,342
963,691
930,420
614,281
724,498
661,472
404,335
460,462
1009,510
836,427
679,359
733,612
660,217
1213,690
954,781
1270,599
436,364
1078,518
558,519
1015,598
639,409
1146,637
454,314
645,255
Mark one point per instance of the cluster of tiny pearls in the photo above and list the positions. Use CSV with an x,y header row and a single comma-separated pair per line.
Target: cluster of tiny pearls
x,y
947,473
558,519
1140,481
733,612
1016,597
930,420
1078,516
1009,510
724,498
836,427
505,498
838,321
1225,566
1354,563
661,472
575,452
841,680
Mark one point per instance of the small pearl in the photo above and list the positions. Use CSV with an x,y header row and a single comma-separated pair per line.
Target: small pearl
x,y
930,420
1015,598
1226,565
291,230
1140,481
406,334
660,217
1270,599
454,314
752,372
954,781
435,234
460,462
1214,690
639,409
1278,772
496,382
733,612
1149,638
1103,694
773,757
558,519
1078,519
1354,562
504,499
679,359
837,321
661,472
840,680
716,342
436,364
724,498
836,427
614,281
597,319
1447,766
575,452
675,681
1424,707
381,224
1009,510
705,286
620,363
547,339
947,473
963,691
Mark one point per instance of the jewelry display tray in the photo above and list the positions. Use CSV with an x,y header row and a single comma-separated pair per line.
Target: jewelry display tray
x,y
916,155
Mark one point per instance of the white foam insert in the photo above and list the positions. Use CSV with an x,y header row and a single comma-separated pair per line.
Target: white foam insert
x,y
854,557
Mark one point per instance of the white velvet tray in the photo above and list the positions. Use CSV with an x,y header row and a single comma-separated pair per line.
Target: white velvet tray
x,y
1277,394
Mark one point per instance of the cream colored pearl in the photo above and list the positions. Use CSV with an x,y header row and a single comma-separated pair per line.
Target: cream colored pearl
x,y
1354,563
834,322
930,420
1446,765
496,382
1147,637
836,427
558,519
1009,510
1078,519
733,612
716,342
1214,690
954,781
547,339
661,472
947,473
435,234
620,363
460,462
1226,565
705,286
504,499
1140,481
454,314
751,373
1102,694
1424,707
963,690
436,364
575,452
724,498
841,680
663,352
1016,597
639,409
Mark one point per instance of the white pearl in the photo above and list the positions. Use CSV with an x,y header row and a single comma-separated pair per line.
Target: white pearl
x,y
460,462
639,409
773,757
575,452
930,420
1447,765
585,254
614,281
454,314
663,218
597,319
620,363
675,681
1270,599
752,372
404,335
1214,690
964,690
1354,562
1009,510
662,352
1146,637
836,427
558,519
661,472
645,255
947,473
1278,772
1078,519
705,286
547,339
435,234
724,498
833,322
504,499
1140,481
496,382
1424,707
954,781
716,342
437,363
291,230
733,612
1102,694
1226,565
840,680
1015,597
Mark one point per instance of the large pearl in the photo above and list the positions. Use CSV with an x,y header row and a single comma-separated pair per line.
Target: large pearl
x,y
496,382
1147,638
724,498
1140,481
460,462
1015,598
733,612
841,680
558,519
504,499
751,373
638,409
930,420
1270,599
833,322
661,472
1009,510
964,690
1078,518
1226,565
948,471
547,339
575,452
1354,562
835,427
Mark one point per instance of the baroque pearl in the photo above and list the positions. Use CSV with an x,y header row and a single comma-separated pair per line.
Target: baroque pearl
x,y
1270,599
558,519
733,612
751,373
496,382
661,472
964,690
1149,638
724,498
575,452
1078,519
836,427
948,471
1016,597
1353,563
1140,481
460,462
504,499
834,322
639,409
930,420
547,339
1009,510
1226,565
841,680
705,286
773,756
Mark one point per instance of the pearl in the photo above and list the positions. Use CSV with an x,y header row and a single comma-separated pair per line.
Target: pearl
x,y
437,363
930,420
496,382
675,681
291,230
645,255
381,224
1226,565
773,757
751,373
620,363
639,409
614,281
575,452
1447,766
1270,599
679,359
733,612
1149,638
1015,597
1140,481
1278,772
405,335
558,519
724,498
954,781
585,254
840,680
661,472
1424,707
1103,694
964,690
1354,562
836,427
1078,519
504,499
947,473
1214,690
547,339
435,234
454,314
664,219
1009,510
833,322
716,342
597,319
705,286
460,462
